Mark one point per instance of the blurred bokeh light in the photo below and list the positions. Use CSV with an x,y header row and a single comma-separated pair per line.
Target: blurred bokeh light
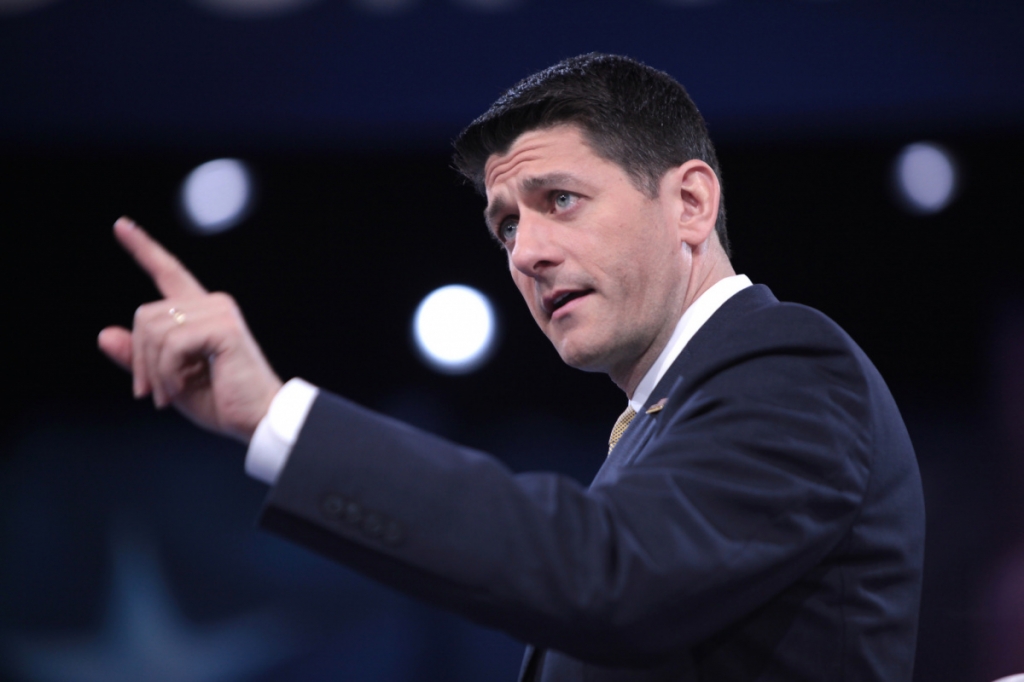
x,y
217,195
925,177
19,6
251,9
454,329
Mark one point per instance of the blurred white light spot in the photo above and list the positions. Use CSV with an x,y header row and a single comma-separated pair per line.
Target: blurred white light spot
x,y
253,9
216,195
454,329
925,177
19,6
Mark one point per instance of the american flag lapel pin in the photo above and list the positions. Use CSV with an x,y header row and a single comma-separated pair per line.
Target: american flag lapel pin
x,y
657,407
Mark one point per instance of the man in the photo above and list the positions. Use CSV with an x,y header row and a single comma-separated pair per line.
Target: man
x,y
759,516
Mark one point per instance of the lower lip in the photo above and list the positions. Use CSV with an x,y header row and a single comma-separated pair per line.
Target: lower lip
x,y
569,307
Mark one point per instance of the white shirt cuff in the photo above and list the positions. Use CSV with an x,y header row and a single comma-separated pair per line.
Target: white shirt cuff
x,y
277,432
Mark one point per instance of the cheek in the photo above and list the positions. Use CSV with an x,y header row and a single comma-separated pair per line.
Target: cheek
x,y
645,274
525,286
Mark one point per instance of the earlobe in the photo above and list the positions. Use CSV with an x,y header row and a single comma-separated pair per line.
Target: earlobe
x,y
697,190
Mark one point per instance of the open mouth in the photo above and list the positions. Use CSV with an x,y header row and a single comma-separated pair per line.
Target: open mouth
x,y
562,299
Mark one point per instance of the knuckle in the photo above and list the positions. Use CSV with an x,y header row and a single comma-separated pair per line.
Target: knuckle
x,y
227,311
224,299
175,342
148,311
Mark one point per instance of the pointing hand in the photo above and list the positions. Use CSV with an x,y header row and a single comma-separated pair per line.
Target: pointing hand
x,y
192,348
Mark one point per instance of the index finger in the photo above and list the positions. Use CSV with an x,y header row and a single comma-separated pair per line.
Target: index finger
x,y
167,272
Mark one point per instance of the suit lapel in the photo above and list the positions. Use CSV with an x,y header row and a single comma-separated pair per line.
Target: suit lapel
x,y
692,359
659,408
636,435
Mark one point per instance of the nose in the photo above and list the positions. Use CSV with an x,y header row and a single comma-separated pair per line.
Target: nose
x,y
536,248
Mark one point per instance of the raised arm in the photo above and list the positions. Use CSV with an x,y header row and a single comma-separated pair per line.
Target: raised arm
x,y
191,349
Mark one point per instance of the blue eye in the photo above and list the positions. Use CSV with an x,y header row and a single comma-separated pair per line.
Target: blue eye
x,y
507,230
564,199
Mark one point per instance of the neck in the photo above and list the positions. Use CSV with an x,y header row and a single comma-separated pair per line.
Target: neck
x,y
701,279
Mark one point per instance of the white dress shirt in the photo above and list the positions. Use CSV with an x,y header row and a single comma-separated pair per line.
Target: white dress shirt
x,y
277,432
699,312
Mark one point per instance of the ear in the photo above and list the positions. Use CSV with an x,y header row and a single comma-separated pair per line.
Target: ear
x,y
693,192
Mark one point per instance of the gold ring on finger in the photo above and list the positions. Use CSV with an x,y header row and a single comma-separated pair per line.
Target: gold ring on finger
x,y
177,315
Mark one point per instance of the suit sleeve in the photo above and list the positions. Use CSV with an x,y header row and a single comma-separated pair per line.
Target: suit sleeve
x,y
754,474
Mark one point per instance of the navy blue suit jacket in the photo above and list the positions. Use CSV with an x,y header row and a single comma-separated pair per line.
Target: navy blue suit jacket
x,y
766,524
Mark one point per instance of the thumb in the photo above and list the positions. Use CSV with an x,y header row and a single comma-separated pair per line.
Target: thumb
x,y
116,342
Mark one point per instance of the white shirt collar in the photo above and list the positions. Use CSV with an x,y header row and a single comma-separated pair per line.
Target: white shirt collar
x,y
692,320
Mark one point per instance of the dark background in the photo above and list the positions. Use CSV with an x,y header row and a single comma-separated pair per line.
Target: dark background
x,y
344,114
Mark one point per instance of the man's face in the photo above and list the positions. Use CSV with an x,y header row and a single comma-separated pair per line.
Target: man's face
x,y
599,264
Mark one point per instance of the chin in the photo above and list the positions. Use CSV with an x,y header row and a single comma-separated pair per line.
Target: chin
x,y
586,359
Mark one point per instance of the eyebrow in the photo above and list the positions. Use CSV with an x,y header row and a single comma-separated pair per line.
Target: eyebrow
x,y
530,184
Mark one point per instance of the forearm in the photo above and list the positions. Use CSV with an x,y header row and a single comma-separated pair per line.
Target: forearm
x,y
622,574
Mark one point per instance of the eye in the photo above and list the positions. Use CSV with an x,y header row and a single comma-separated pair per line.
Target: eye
x,y
507,230
564,200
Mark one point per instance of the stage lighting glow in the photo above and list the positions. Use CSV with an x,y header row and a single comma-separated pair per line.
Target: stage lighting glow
x,y
18,6
454,328
925,177
253,9
216,195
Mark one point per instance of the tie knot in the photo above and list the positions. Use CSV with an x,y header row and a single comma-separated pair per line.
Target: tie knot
x,y
620,427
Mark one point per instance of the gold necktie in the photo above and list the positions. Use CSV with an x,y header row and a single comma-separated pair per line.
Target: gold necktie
x,y
620,427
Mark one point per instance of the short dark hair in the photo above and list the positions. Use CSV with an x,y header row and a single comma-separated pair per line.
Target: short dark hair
x,y
637,117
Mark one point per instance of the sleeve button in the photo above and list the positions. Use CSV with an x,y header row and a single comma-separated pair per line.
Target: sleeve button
x,y
332,506
373,526
353,513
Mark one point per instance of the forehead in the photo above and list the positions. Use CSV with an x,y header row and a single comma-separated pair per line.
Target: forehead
x,y
560,148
